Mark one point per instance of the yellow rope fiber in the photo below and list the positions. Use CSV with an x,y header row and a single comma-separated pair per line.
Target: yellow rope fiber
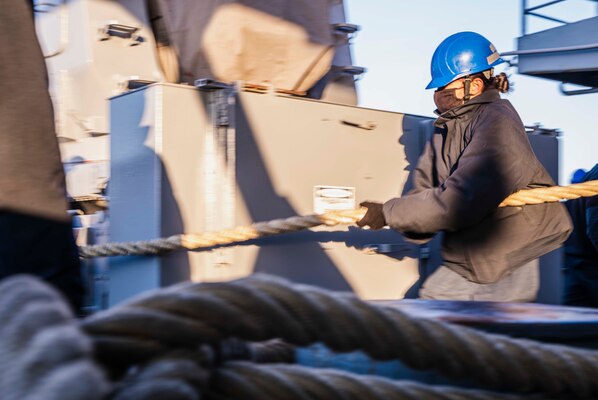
x,y
298,223
241,234
292,224
551,194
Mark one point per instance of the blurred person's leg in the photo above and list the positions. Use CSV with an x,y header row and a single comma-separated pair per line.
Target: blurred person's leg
x,y
574,293
580,287
41,247
35,229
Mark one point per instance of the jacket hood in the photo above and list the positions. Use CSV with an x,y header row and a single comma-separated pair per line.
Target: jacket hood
x,y
489,96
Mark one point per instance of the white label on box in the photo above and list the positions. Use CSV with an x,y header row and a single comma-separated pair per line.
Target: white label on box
x,y
333,198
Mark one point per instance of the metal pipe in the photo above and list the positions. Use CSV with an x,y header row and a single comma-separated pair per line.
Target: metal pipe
x,y
576,91
523,17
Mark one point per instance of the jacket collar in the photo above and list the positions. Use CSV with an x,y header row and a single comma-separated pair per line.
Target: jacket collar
x,y
489,96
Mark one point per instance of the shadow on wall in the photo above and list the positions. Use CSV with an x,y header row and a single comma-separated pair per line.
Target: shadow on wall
x,y
296,256
135,154
178,266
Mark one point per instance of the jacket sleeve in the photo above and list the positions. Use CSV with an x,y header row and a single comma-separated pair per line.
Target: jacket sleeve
x,y
423,177
494,164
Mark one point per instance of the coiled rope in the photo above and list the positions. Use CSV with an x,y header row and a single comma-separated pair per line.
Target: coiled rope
x,y
298,223
180,378
290,382
260,308
43,353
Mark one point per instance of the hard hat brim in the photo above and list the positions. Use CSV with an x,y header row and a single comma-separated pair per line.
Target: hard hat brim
x,y
445,80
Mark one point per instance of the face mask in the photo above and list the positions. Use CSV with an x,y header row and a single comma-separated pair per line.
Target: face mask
x,y
446,99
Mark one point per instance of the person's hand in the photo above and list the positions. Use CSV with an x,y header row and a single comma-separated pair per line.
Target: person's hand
x,y
374,217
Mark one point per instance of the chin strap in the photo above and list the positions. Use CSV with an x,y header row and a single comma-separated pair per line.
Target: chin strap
x,y
466,88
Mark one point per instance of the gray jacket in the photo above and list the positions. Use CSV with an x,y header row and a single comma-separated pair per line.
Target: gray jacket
x,y
478,155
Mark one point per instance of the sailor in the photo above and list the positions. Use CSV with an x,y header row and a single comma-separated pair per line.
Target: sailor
x,y
581,248
35,229
478,155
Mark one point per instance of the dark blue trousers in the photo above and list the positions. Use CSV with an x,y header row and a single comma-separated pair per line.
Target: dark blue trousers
x,y
581,287
44,248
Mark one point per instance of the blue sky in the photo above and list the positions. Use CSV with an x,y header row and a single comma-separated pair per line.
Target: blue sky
x,y
398,37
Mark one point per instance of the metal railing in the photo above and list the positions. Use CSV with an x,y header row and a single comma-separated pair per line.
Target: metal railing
x,y
527,10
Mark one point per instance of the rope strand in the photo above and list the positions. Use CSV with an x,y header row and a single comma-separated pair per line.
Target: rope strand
x,y
297,223
291,382
43,353
551,194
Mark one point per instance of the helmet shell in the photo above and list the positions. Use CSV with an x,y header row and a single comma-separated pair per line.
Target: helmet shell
x,y
459,55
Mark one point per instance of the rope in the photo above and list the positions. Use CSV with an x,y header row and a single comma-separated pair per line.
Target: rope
x,y
551,194
298,223
260,308
146,247
43,353
226,237
183,378
242,380
177,377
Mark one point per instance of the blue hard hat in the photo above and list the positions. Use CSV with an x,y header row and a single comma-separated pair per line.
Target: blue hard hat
x,y
459,55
